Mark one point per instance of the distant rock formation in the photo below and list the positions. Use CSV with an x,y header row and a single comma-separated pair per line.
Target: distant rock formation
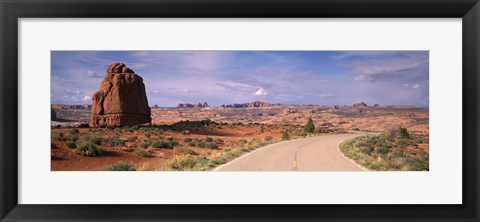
x,y
53,115
188,105
326,124
359,105
121,100
68,106
250,105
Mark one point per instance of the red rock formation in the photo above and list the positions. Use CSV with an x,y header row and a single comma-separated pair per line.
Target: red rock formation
x,y
53,115
188,105
359,105
121,100
250,105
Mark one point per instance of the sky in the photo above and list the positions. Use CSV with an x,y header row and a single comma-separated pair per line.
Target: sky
x,y
227,77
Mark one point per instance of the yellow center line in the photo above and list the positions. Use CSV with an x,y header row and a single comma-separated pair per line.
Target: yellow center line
x,y
295,158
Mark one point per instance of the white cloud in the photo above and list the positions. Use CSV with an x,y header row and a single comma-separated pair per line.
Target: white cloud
x,y
86,98
206,61
410,86
261,92
362,77
91,74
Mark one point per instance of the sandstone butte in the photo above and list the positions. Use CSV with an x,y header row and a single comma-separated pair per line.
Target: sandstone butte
x,y
121,100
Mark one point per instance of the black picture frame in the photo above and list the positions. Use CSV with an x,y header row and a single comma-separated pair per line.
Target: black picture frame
x,y
11,11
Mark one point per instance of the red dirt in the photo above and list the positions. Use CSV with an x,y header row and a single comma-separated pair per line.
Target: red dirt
x,y
65,159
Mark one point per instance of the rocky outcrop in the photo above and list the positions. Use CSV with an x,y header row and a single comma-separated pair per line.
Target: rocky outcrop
x,y
326,124
359,105
121,100
255,104
188,105
53,115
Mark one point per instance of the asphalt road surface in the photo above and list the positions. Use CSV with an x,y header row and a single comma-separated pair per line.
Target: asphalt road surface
x,y
318,153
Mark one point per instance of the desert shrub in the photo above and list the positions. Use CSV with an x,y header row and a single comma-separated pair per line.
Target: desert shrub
x,y
116,141
206,122
285,135
118,130
208,139
242,142
171,138
140,153
157,144
186,140
163,144
388,147
201,144
71,144
396,153
220,140
74,130
136,127
88,149
186,132
191,144
132,139
147,135
381,150
211,145
404,143
310,127
185,150
92,138
122,166
185,163
268,138
110,127
144,145
404,133
72,138
83,125
160,131
217,161
57,135
366,149
198,139
355,129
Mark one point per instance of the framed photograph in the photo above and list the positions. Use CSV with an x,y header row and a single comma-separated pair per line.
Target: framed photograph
x,y
226,110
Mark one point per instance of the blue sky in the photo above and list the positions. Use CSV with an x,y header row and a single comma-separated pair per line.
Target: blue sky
x,y
226,77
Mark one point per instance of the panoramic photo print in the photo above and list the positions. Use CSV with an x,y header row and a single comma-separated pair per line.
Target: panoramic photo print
x,y
239,110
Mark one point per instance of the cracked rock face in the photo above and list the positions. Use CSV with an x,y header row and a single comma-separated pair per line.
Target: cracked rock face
x,y
121,100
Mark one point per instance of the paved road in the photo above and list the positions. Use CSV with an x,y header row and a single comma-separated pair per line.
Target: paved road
x,y
310,154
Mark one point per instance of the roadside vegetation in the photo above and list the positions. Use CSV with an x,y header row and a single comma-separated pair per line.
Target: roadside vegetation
x,y
192,161
121,166
185,145
396,150
310,127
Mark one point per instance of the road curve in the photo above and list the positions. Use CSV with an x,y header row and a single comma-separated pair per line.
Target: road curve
x,y
318,153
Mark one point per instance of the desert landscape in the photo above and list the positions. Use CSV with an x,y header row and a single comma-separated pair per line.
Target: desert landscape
x,y
122,131
191,129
